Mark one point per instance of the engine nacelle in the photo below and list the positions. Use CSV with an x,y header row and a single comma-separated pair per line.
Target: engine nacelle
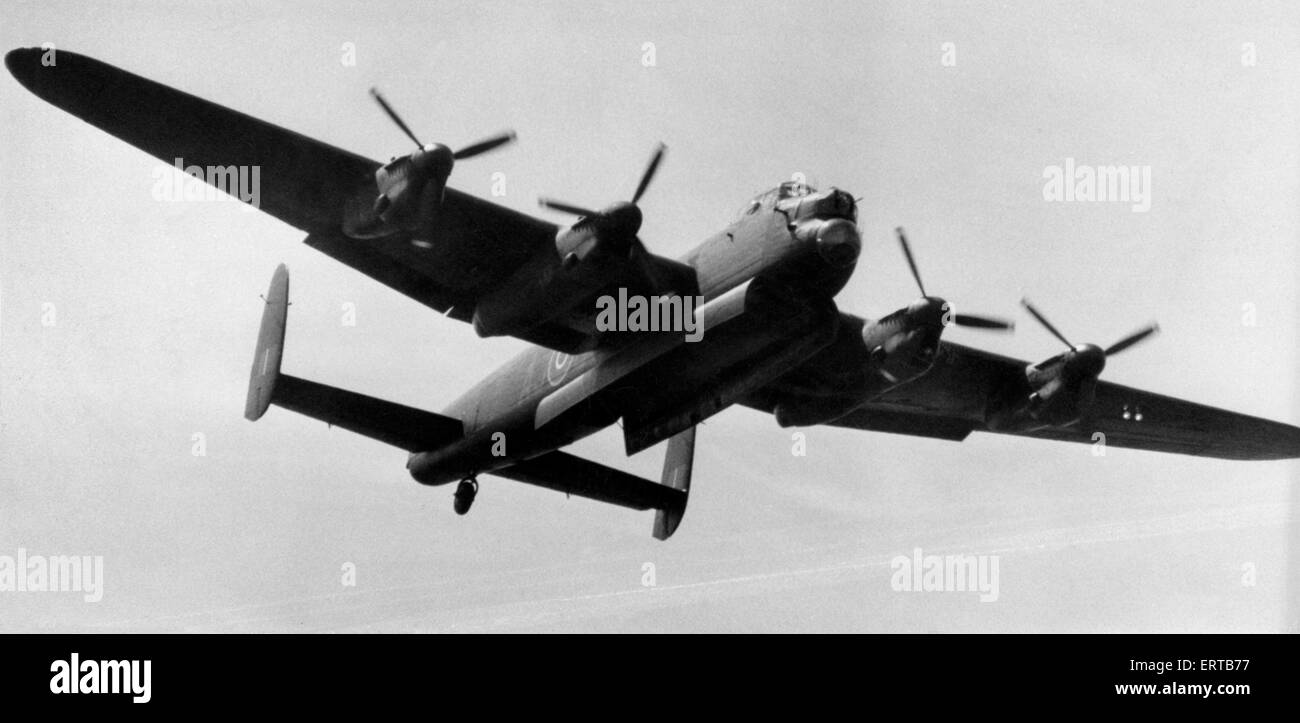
x,y
410,193
607,234
1061,393
411,188
904,345
810,411
551,286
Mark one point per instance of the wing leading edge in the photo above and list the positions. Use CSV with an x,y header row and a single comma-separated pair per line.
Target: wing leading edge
x,y
304,182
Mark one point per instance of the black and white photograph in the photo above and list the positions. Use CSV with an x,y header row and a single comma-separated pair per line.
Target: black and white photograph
x,y
649,316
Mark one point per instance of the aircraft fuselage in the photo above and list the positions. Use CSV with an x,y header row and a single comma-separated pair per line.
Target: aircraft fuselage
x,y
766,283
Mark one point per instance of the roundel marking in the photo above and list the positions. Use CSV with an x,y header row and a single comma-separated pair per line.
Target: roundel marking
x,y
558,368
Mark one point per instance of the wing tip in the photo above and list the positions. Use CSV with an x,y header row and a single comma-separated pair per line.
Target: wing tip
x,y
22,64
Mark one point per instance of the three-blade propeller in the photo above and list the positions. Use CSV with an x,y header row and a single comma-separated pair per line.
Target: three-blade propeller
x,y
622,221
1111,350
469,151
968,320
646,176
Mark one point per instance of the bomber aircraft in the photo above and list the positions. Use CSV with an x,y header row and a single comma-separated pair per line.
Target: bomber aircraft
x,y
773,338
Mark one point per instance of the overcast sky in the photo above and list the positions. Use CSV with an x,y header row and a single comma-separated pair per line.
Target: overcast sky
x,y
127,324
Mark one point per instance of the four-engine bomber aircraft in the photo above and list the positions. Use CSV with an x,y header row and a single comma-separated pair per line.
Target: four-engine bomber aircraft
x,y
773,337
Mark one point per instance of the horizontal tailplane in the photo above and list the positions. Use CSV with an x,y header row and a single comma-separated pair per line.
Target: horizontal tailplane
x,y
414,430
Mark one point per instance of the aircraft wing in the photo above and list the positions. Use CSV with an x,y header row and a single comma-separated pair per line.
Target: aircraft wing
x,y
1174,425
950,402
304,182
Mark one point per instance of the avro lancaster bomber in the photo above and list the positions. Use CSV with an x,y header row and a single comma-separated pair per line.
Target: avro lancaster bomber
x,y
773,338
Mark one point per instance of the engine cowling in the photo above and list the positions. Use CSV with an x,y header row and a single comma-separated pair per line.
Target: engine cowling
x,y
411,188
904,345
1062,391
588,258
608,234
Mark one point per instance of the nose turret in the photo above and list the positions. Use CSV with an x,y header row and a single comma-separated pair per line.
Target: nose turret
x,y
839,242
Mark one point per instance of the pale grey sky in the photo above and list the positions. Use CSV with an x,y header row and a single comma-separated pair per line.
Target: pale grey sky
x,y
156,310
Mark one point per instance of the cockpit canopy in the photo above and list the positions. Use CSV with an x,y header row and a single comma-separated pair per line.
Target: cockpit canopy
x,y
789,189
769,198
834,202
793,189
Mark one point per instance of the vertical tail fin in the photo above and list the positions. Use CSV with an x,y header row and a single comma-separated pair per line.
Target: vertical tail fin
x,y
270,347
679,461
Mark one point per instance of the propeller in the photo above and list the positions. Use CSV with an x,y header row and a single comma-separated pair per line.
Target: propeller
x,y
1131,339
622,220
484,145
1089,349
414,201
1080,367
911,262
469,151
650,170
566,208
392,114
1046,324
968,320
646,176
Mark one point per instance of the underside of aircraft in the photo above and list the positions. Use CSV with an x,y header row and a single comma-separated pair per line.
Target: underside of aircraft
x,y
761,290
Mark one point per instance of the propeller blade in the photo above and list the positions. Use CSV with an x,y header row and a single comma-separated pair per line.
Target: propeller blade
x,y
374,92
1131,339
484,145
1046,324
565,208
982,322
907,251
649,172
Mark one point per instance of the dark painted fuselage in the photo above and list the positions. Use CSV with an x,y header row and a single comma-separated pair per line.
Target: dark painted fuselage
x,y
798,248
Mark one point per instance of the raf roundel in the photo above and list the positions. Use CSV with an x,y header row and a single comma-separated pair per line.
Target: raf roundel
x,y
558,368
